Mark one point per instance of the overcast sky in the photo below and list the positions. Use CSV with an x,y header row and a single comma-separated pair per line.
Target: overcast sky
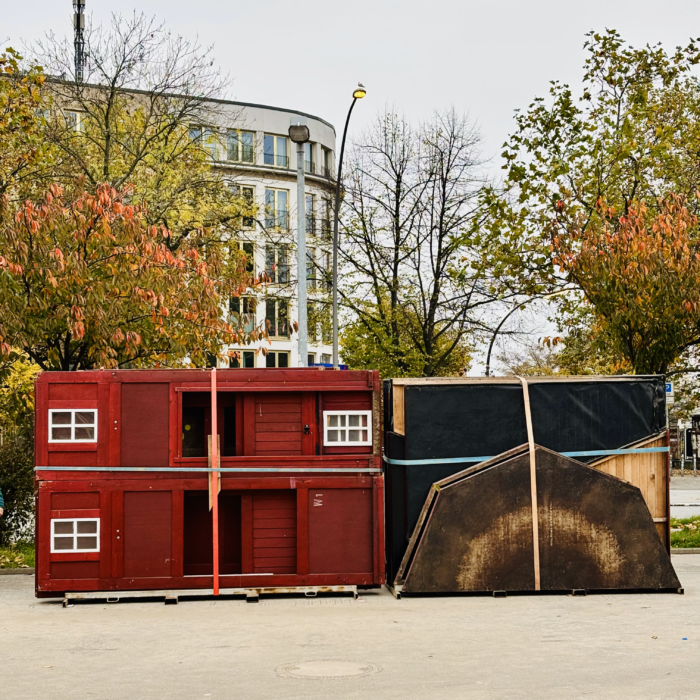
x,y
485,58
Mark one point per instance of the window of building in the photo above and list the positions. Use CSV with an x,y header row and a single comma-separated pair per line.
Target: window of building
x,y
325,274
277,318
311,268
248,249
310,206
75,120
312,322
327,162
347,428
240,146
309,165
326,323
277,263
75,535
248,194
275,151
276,209
325,359
311,359
79,425
243,358
206,139
242,310
326,218
275,358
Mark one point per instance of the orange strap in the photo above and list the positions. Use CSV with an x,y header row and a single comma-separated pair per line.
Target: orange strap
x,y
533,483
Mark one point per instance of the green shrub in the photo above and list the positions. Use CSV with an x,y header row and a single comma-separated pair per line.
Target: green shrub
x,y
687,532
17,484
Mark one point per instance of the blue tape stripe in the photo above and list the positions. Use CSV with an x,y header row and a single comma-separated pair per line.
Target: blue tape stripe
x,y
466,460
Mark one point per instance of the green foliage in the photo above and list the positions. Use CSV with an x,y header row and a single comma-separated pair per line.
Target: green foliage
x,y
22,147
17,400
368,345
17,483
19,555
687,532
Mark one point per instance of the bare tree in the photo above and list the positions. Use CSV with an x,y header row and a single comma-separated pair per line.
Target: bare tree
x,y
411,281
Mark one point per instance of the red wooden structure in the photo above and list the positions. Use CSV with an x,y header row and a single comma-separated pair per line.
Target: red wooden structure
x,y
126,469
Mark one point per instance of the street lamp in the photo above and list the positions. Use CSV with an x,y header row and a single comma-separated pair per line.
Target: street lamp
x,y
299,134
358,93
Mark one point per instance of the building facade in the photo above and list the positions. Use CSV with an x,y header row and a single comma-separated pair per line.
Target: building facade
x,y
249,144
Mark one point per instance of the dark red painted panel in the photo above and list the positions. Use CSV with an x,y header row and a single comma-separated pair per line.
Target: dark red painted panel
x,y
75,501
73,392
75,569
274,532
340,531
198,547
340,400
147,533
144,425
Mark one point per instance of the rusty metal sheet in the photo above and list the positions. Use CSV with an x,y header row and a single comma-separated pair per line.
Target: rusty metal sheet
x,y
595,532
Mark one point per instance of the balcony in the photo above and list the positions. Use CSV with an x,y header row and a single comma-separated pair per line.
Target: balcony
x,y
327,172
310,167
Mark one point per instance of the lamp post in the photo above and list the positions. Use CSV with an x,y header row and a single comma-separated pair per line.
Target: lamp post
x,y
299,134
357,94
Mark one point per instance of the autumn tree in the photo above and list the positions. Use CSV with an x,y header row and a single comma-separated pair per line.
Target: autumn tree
x,y
87,282
640,273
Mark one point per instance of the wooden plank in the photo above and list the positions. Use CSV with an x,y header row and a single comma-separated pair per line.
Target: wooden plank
x,y
302,531
174,422
247,533
105,534
117,534
397,391
43,535
115,414
178,531
249,425
308,418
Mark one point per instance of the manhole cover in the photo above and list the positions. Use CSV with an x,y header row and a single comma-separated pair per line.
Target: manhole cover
x,y
327,668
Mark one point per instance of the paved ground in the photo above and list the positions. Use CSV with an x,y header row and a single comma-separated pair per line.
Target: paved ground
x,y
685,490
614,647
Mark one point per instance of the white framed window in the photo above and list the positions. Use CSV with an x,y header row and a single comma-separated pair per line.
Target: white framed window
x,y
347,428
73,425
75,535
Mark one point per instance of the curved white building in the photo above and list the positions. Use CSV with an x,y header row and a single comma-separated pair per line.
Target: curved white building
x,y
250,144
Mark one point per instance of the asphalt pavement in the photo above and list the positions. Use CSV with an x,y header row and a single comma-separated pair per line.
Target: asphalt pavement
x,y
544,647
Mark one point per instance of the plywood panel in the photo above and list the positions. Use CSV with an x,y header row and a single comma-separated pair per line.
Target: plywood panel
x,y
144,425
147,533
399,423
274,532
340,531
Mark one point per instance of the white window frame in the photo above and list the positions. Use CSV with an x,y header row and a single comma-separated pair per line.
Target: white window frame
x,y
346,442
72,424
74,535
